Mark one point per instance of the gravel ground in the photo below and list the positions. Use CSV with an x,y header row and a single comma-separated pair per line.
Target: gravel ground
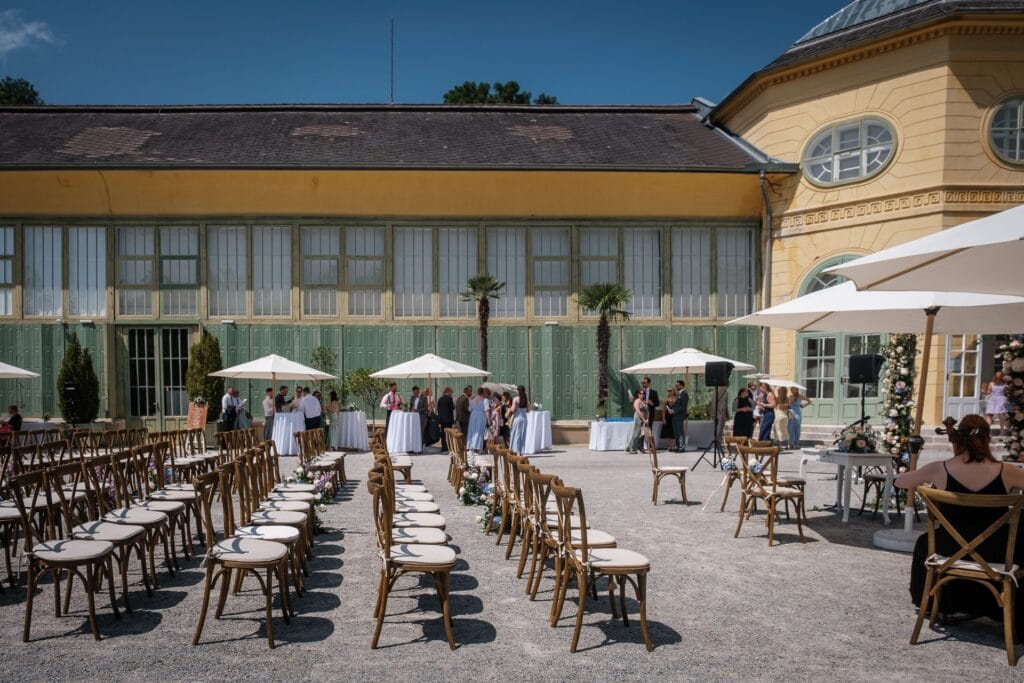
x,y
719,608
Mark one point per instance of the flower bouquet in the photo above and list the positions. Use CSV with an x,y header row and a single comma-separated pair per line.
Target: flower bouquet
x,y
1013,376
857,439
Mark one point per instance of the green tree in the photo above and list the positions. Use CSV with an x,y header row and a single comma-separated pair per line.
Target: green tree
x,y
472,92
481,288
18,91
203,358
607,300
325,359
84,404
366,388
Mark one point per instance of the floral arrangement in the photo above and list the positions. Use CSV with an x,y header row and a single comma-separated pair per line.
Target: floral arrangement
x,y
898,391
199,401
477,489
857,439
538,406
323,488
1013,376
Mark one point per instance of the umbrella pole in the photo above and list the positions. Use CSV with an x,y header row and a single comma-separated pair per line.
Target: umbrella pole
x,y
922,391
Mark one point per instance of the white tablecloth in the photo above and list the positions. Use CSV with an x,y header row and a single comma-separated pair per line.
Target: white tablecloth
x,y
348,430
538,431
614,436
404,434
285,426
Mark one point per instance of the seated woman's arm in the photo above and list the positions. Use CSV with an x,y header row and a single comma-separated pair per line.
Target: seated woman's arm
x,y
1013,477
923,475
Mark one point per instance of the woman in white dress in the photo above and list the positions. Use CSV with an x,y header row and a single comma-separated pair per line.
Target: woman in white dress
x,y
334,413
517,436
477,422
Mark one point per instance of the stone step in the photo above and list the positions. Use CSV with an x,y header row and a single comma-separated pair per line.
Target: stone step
x,y
812,434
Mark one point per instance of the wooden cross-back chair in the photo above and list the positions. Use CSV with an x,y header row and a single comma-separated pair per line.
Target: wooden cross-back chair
x,y
586,564
26,458
759,481
967,563
733,475
517,501
659,472
53,453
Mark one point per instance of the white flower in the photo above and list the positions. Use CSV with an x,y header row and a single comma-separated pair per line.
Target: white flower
x,y
894,412
462,491
904,371
479,518
1017,365
899,349
291,480
298,471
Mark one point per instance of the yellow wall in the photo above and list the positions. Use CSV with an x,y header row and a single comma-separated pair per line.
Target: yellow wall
x,y
937,89
519,194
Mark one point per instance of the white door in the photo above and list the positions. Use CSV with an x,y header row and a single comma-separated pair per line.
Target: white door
x,y
963,381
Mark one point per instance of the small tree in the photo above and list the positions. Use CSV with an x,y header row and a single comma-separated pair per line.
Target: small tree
x,y
204,358
325,359
366,388
18,91
83,404
481,288
607,300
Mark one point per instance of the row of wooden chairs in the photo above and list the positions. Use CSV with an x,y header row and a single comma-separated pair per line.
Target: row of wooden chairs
x,y
411,538
550,520
314,456
400,463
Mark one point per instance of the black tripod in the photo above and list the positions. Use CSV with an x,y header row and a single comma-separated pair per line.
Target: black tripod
x,y
715,447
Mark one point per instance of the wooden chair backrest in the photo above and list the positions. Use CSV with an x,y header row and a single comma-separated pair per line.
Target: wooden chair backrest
x,y
33,487
26,458
383,491
756,443
71,474
652,449
934,499
569,503
207,488
759,469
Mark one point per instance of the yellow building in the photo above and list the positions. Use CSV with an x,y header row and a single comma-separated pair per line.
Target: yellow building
x,y
905,118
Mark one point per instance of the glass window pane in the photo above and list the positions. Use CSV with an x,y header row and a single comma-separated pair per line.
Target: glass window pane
x,y
506,261
6,270
43,281
87,271
271,270
413,269
364,253
734,249
179,270
642,271
227,270
457,262
321,265
848,151
550,254
691,272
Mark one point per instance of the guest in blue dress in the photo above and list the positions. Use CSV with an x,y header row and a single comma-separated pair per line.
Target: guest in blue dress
x,y
797,403
477,422
520,406
767,406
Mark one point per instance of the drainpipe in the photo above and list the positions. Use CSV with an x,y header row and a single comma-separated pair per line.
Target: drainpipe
x,y
766,285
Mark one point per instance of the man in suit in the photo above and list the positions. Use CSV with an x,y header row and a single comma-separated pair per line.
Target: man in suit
x,y
462,409
281,400
445,415
650,398
418,404
680,413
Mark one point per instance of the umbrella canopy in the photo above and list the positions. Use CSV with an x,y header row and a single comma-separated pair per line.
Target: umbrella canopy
x,y
979,256
499,387
273,367
773,382
429,366
681,362
844,308
12,372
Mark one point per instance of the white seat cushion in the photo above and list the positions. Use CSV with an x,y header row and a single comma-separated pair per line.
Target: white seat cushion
x,y
307,488
269,532
181,496
970,565
168,507
595,538
135,515
420,535
414,496
107,531
673,470
615,558
289,505
239,549
9,514
284,517
574,521
404,519
415,506
300,496
71,551
179,486
410,488
418,554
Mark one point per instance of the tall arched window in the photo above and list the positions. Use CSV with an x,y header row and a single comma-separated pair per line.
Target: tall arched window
x,y
845,152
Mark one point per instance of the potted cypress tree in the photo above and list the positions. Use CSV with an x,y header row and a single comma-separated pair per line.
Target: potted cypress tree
x,y
78,388
203,358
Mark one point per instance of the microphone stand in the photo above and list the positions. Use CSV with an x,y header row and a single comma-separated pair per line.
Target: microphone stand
x,y
717,451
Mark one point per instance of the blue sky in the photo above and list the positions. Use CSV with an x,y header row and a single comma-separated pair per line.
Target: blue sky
x,y
257,51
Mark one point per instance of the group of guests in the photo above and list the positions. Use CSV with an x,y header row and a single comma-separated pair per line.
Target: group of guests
x,y
486,416
676,414
309,403
775,417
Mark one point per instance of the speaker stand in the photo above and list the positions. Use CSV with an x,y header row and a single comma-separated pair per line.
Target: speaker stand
x,y
715,447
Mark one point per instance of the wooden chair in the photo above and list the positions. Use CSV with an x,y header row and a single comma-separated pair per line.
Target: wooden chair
x,y
659,472
436,561
517,503
242,555
759,482
733,475
48,551
587,564
967,562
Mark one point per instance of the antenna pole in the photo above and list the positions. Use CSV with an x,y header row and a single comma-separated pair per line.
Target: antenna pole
x,y
391,98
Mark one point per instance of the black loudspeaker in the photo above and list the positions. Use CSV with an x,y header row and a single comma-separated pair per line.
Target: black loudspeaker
x,y
716,374
864,369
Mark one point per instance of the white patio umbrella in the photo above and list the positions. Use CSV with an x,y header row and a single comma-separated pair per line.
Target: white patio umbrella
x,y
773,382
13,372
681,362
430,366
272,367
984,255
498,387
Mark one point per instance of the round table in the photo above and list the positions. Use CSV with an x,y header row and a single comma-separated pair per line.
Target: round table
x,y
613,435
404,435
348,430
285,426
538,431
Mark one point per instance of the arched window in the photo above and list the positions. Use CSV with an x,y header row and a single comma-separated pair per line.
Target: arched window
x,y
818,279
1006,132
845,152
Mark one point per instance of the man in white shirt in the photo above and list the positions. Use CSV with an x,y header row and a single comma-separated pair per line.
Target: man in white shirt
x,y
311,409
229,406
390,403
268,414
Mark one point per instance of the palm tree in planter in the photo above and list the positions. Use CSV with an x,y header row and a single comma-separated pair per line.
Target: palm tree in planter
x,y
481,288
607,300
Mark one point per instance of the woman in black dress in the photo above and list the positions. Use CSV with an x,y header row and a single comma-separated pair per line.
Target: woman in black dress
x,y
743,409
972,469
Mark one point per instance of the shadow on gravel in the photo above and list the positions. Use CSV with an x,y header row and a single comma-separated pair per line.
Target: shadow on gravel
x,y
615,632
